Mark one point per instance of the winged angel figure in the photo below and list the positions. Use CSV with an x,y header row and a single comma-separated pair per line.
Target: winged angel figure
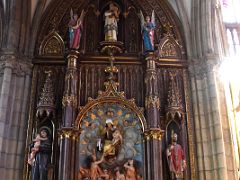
x,y
75,29
148,27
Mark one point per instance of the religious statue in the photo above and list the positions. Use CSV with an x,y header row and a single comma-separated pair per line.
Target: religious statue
x,y
148,27
75,29
35,149
42,155
176,160
111,26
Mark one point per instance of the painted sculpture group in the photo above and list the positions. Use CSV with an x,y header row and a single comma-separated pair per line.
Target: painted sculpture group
x,y
110,144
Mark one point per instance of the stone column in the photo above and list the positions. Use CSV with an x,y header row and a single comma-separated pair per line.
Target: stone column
x,y
68,133
14,92
215,159
153,133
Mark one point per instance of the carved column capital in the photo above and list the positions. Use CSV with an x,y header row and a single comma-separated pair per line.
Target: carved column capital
x,y
19,66
69,133
153,134
199,68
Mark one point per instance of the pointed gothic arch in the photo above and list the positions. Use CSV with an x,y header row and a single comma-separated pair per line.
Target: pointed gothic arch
x,y
112,96
52,46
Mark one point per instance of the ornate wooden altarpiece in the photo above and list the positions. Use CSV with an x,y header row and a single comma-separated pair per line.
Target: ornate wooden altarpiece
x,y
75,93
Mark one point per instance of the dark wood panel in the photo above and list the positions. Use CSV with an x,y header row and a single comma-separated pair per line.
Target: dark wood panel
x,y
92,78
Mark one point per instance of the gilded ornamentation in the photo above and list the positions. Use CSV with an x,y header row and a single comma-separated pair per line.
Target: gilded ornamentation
x,y
111,90
72,59
69,101
150,56
47,100
169,47
110,69
189,128
168,28
69,133
52,45
111,95
153,134
168,50
111,47
152,102
174,99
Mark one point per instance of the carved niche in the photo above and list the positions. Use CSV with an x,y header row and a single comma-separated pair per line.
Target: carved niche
x,y
90,30
132,31
52,45
169,48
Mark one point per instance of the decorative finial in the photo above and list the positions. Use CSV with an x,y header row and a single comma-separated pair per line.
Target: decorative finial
x,y
46,104
111,69
174,99
168,28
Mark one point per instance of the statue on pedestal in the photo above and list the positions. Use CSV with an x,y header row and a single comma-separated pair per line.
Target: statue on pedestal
x,y
75,29
111,26
35,149
42,156
148,27
176,160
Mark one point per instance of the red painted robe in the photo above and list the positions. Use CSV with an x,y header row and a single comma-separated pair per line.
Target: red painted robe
x,y
176,159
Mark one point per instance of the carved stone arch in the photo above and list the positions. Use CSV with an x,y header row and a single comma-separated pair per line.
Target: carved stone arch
x,y
169,48
52,45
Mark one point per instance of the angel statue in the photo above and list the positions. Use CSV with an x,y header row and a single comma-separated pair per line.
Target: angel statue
x,y
111,26
75,29
148,27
